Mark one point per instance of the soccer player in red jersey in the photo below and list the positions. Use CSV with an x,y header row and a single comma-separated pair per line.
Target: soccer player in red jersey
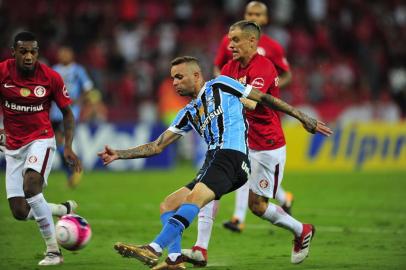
x,y
257,12
266,142
27,88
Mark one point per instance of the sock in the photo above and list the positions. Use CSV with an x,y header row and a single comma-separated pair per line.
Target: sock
x,y
175,246
176,224
241,202
280,195
56,210
280,218
207,215
43,216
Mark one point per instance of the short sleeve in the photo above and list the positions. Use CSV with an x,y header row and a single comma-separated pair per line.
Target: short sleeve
x,y
232,86
181,125
85,81
60,92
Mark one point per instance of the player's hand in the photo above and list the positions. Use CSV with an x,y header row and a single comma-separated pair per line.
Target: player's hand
x,y
72,159
108,155
312,125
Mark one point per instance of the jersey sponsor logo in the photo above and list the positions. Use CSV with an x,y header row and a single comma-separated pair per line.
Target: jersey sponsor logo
x,y
25,92
258,82
39,91
261,51
276,81
264,183
65,91
210,117
6,85
23,108
32,159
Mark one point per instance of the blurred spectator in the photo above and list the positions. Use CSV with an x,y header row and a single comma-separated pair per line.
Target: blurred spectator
x,y
334,47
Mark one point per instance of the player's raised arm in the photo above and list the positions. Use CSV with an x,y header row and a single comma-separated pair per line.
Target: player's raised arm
x,y
310,124
108,155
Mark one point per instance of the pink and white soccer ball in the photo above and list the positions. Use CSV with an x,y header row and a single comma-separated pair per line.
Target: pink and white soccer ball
x,y
73,232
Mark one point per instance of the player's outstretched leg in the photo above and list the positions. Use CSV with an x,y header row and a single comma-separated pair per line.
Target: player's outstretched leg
x,y
197,255
145,254
301,244
58,210
236,224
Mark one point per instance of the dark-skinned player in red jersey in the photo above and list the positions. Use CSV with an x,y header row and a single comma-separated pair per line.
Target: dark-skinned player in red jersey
x,y
267,147
27,88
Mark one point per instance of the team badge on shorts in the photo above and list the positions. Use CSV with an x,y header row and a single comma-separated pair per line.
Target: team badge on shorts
x,y
32,159
39,91
25,92
263,183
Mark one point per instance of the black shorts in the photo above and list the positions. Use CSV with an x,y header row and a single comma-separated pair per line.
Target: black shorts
x,y
223,171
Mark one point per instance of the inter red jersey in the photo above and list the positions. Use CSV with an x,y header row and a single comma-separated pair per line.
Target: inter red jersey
x,y
265,130
266,47
26,102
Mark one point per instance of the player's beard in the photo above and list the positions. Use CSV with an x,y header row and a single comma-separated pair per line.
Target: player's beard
x,y
27,72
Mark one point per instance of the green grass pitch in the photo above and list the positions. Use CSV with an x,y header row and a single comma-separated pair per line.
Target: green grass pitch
x,y
360,220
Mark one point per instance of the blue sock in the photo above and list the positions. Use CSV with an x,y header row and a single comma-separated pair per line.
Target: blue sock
x,y
173,229
175,246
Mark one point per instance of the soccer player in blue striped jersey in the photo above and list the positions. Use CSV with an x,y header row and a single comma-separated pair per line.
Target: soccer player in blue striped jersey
x,y
216,113
78,84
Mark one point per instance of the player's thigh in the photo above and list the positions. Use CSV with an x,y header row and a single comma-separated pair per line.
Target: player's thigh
x,y
39,158
200,195
267,169
14,172
225,171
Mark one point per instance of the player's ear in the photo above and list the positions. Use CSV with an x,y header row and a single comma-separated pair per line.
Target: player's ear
x,y
13,51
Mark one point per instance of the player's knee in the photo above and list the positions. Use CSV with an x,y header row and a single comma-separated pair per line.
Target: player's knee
x,y
257,207
19,213
32,183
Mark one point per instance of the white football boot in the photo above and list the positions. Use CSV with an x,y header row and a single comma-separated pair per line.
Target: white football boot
x,y
52,258
301,244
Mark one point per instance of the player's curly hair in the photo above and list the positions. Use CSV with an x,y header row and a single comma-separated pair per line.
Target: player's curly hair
x,y
24,36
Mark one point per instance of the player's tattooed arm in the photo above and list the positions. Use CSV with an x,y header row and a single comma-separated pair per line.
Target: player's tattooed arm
x,y
310,124
108,155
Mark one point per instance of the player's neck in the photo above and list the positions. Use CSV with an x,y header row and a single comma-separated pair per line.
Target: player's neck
x,y
245,61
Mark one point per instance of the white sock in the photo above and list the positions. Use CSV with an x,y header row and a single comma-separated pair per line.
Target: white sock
x,y
207,214
155,246
173,256
278,217
280,195
56,210
241,202
43,216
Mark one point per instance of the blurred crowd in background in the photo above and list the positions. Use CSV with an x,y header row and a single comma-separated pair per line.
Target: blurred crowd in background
x,y
348,57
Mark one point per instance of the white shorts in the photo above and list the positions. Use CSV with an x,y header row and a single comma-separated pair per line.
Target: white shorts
x,y
267,171
37,155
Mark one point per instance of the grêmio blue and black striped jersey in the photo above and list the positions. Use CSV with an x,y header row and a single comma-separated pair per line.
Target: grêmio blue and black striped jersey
x,y
217,114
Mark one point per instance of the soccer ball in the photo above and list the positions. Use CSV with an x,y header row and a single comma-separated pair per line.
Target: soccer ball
x,y
72,232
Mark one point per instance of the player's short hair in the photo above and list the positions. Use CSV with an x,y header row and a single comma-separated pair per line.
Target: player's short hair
x,y
248,27
185,59
24,36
